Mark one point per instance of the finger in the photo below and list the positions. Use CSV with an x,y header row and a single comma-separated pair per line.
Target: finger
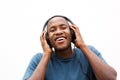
x,y
42,36
72,27
75,26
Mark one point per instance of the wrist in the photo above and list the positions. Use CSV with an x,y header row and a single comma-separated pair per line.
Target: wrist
x,y
81,46
47,53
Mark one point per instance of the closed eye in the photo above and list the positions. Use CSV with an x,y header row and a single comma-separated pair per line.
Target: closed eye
x,y
52,29
63,26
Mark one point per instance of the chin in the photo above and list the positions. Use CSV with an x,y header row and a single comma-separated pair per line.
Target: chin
x,y
60,47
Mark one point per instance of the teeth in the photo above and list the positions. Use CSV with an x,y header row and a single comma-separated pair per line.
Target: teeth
x,y
60,39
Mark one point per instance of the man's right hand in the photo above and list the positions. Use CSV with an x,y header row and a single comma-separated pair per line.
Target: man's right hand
x,y
45,46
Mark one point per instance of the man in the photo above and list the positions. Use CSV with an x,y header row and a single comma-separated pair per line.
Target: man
x,y
64,63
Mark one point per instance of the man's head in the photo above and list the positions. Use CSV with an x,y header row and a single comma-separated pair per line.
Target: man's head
x,y
59,35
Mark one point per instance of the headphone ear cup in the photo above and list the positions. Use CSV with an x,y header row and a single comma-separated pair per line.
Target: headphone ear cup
x,y
73,35
47,39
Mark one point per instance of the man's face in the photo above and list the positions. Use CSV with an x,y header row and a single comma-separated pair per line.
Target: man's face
x,y
59,33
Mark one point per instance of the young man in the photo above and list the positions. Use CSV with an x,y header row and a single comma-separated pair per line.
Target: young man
x,y
64,63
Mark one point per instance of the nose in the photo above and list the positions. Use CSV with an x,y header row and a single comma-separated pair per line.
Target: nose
x,y
59,32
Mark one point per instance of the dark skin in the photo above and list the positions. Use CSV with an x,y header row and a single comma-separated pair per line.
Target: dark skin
x,y
60,29
59,34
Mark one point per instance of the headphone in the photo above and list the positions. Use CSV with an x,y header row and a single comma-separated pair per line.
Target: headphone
x,y
71,31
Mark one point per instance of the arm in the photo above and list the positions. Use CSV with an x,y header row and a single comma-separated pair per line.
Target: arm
x,y
40,70
101,70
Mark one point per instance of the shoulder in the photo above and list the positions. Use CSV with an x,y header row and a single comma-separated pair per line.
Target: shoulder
x,y
32,65
80,54
37,57
35,60
91,47
94,50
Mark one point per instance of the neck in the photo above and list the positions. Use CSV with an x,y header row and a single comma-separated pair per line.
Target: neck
x,y
64,54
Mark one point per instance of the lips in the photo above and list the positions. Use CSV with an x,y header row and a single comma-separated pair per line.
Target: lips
x,y
60,38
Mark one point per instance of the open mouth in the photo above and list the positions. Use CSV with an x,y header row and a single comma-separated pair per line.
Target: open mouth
x,y
60,39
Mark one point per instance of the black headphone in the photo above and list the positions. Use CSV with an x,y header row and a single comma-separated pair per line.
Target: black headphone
x,y
72,32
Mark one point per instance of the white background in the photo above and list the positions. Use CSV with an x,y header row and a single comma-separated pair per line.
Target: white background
x,y
21,23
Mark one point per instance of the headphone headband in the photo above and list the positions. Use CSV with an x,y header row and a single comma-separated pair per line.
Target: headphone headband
x,y
71,31
56,16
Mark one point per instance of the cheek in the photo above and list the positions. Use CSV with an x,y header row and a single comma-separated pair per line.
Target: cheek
x,y
67,33
69,36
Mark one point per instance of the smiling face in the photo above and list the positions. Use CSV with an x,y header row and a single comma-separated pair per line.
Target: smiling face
x,y
59,33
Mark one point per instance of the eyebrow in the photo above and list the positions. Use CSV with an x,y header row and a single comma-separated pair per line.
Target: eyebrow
x,y
62,24
59,25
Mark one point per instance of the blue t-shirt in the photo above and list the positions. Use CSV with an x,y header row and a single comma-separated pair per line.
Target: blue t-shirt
x,y
74,68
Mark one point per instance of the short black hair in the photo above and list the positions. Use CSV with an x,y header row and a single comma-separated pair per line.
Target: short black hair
x,y
56,16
